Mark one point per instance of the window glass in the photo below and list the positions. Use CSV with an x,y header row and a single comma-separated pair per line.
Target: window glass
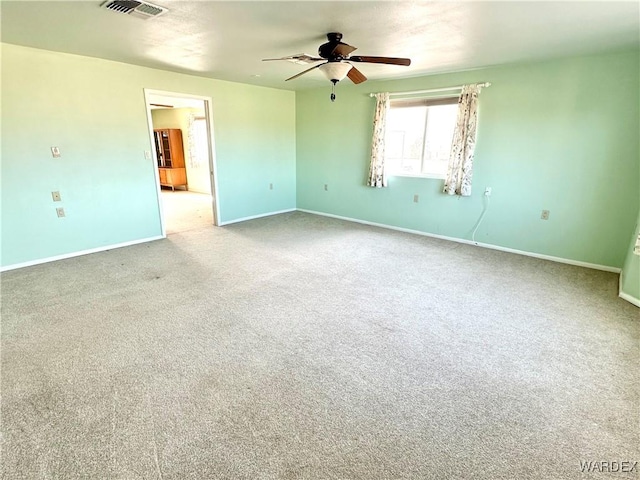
x,y
418,136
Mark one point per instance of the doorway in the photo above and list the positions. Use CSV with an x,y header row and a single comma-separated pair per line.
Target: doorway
x,y
181,132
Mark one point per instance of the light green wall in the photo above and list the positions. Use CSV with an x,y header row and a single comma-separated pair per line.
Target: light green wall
x,y
630,284
559,135
197,177
94,111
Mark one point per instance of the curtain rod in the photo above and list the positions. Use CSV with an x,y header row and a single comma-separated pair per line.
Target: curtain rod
x,y
432,90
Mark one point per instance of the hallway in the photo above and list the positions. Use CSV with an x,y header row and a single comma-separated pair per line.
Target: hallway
x,y
184,210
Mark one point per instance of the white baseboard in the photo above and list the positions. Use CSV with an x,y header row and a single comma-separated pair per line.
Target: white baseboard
x,y
77,254
630,298
595,266
119,245
605,268
625,296
253,217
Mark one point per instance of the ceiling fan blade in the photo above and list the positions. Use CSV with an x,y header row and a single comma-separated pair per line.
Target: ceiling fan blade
x,y
300,58
388,60
302,73
343,50
356,76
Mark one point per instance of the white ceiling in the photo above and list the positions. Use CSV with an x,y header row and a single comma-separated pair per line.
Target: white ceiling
x,y
228,39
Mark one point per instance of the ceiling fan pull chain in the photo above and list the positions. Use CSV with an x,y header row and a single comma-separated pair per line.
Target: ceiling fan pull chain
x,y
333,91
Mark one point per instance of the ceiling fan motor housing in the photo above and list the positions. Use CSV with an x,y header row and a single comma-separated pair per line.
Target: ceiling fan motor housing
x,y
326,49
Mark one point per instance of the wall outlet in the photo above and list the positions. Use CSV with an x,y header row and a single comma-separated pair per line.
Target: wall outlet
x,y
55,151
326,187
56,196
487,192
416,198
271,186
60,211
545,215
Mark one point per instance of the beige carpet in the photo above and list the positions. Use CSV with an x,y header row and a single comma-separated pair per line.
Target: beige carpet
x,y
185,210
302,347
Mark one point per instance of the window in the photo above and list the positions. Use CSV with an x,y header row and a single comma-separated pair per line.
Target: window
x,y
419,135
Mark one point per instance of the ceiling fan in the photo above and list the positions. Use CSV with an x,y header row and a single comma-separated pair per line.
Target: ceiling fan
x,y
338,61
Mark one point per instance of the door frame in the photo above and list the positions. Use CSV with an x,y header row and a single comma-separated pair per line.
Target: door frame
x,y
213,172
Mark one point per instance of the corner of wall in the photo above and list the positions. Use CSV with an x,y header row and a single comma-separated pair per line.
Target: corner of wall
x,y
629,286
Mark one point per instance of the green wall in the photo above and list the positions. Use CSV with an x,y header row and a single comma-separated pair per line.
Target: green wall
x,y
94,111
559,135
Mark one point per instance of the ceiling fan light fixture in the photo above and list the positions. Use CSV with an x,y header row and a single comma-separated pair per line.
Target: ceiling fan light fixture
x,y
335,71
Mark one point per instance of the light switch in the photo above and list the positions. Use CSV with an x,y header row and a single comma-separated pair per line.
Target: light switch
x,y
56,196
60,211
147,154
55,151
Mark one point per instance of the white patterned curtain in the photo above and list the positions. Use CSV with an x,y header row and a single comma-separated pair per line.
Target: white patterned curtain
x,y
460,171
194,158
377,177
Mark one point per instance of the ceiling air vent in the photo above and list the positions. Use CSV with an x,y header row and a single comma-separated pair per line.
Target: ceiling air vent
x,y
132,7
